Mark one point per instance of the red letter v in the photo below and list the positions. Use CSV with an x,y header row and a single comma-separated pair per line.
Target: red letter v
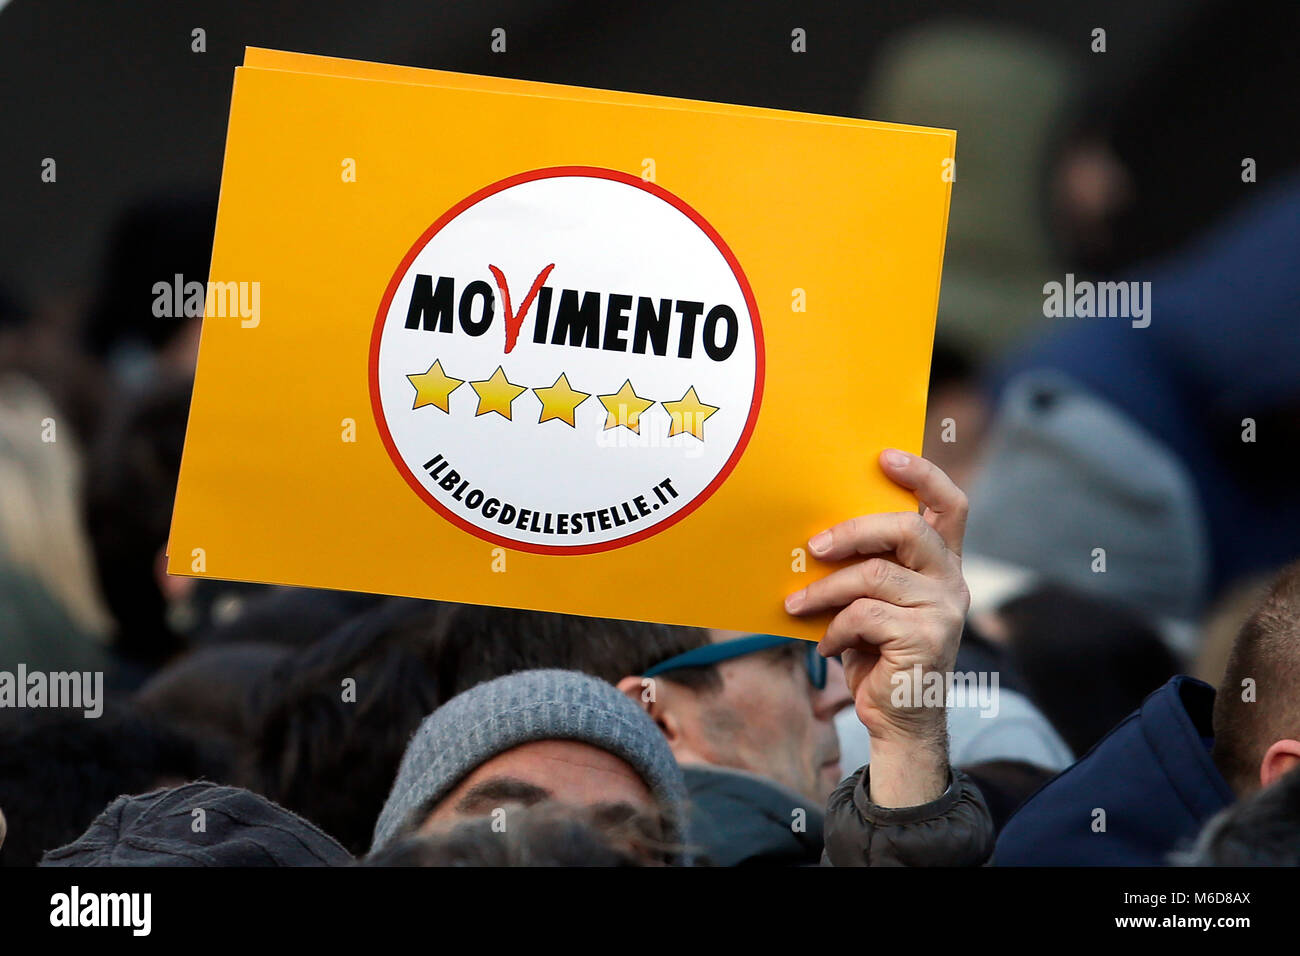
x,y
515,320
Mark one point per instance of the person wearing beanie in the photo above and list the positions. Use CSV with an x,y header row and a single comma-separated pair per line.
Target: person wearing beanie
x,y
528,737
199,824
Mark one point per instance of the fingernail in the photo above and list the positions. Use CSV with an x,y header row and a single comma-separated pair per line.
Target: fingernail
x,y
897,459
794,601
820,542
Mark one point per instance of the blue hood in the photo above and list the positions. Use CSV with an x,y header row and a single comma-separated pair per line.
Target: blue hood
x,y
1153,777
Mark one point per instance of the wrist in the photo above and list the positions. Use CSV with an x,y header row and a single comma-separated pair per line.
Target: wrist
x,y
909,769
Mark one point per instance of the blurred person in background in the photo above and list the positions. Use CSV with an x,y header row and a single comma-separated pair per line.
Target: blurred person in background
x,y
161,239
1172,442
1086,663
1012,96
41,344
54,617
1188,752
1130,533
135,465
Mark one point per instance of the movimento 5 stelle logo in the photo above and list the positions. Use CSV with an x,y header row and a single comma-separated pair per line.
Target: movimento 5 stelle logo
x,y
567,361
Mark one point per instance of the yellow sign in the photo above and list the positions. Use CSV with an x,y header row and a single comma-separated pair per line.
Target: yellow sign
x,y
518,344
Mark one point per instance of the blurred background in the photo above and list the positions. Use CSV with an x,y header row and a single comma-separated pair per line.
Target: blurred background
x,y
114,93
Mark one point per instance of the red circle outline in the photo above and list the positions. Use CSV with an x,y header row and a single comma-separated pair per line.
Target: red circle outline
x,y
490,190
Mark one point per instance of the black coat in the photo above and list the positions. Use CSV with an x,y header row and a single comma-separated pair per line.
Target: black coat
x,y
953,830
741,819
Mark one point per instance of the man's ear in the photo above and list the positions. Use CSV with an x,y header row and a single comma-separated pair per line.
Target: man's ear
x,y
641,690
1282,756
656,698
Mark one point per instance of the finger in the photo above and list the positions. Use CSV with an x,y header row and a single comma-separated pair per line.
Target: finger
x,y
877,578
857,661
865,621
905,533
946,502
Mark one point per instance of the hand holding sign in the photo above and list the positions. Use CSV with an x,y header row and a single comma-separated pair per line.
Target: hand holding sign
x,y
901,609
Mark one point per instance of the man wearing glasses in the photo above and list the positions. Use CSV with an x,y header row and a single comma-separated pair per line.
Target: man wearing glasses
x,y
750,717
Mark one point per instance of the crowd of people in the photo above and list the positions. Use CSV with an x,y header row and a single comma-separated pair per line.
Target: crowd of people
x,y
1101,572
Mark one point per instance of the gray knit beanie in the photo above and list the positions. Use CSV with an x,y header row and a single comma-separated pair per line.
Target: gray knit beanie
x,y
527,706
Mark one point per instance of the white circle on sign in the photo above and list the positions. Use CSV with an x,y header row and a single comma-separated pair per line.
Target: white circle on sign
x,y
567,361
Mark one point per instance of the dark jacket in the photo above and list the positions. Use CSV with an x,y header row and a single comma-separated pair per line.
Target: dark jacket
x,y
953,830
1153,778
739,819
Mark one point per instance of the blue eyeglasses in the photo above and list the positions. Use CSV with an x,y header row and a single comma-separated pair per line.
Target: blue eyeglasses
x,y
739,647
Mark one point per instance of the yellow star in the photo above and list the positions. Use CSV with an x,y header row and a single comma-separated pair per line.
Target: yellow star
x,y
689,414
625,407
560,401
434,387
496,393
